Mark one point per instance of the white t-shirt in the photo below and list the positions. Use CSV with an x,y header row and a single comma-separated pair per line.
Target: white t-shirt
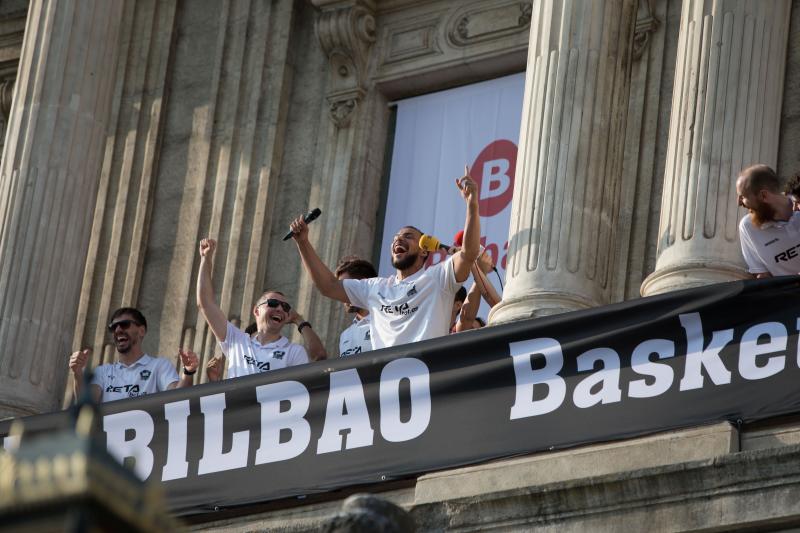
x,y
357,338
773,248
248,356
146,376
409,310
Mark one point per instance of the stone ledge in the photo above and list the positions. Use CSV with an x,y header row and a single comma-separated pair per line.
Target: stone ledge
x,y
576,463
306,518
755,489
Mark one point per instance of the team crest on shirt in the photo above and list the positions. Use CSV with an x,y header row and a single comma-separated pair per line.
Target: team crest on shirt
x,y
367,336
412,291
277,354
145,374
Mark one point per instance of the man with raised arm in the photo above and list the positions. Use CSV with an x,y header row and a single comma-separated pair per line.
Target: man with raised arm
x,y
266,349
415,303
135,373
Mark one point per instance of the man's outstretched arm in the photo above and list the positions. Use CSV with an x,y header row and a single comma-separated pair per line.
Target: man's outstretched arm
x,y
314,347
206,300
462,261
320,274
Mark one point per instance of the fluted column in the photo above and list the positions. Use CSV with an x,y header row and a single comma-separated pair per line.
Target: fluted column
x,y
343,189
566,199
726,106
48,183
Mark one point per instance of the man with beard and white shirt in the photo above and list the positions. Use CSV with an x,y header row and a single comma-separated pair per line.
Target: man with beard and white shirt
x,y
415,303
770,233
135,373
356,338
266,349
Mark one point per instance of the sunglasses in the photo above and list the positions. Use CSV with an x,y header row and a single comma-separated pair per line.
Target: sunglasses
x,y
274,302
124,324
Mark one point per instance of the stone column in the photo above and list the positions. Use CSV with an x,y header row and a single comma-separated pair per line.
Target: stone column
x,y
48,182
726,106
562,246
352,143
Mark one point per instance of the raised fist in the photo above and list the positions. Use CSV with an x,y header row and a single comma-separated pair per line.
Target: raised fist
x,y
78,360
207,247
299,229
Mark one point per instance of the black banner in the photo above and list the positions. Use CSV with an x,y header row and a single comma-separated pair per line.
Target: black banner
x,y
723,352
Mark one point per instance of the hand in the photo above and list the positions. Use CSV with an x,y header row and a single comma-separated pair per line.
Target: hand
x,y
215,367
484,262
468,187
77,361
295,317
453,250
299,230
189,360
207,247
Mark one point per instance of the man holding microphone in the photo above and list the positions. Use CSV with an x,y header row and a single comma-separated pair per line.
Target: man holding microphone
x,y
415,303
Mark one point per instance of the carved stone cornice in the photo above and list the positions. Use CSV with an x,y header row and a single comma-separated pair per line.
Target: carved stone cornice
x,y
484,21
646,25
346,33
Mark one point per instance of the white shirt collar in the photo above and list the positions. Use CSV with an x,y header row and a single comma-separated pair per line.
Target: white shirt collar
x,y
279,343
143,361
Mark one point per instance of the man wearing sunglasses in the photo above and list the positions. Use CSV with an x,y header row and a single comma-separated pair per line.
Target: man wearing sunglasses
x,y
266,349
135,373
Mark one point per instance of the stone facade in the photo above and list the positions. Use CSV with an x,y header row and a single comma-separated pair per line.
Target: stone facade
x,y
229,118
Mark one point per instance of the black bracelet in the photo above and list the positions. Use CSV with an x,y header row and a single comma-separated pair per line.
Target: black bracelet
x,y
187,373
303,324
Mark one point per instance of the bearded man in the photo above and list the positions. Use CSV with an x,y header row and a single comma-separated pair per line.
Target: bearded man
x,y
414,304
770,233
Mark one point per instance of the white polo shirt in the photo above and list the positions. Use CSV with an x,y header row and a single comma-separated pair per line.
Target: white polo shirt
x,y
357,338
408,310
773,248
248,356
146,376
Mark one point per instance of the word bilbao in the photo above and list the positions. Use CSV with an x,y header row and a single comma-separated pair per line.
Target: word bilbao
x,y
129,434
761,354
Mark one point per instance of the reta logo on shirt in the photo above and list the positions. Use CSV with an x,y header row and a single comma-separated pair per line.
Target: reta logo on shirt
x,y
493,171
132,389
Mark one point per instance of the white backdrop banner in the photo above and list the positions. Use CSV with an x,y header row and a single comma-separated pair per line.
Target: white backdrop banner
x,y
436,135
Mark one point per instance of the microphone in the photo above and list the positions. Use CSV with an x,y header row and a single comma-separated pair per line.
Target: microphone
x,y
429,243
310,217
